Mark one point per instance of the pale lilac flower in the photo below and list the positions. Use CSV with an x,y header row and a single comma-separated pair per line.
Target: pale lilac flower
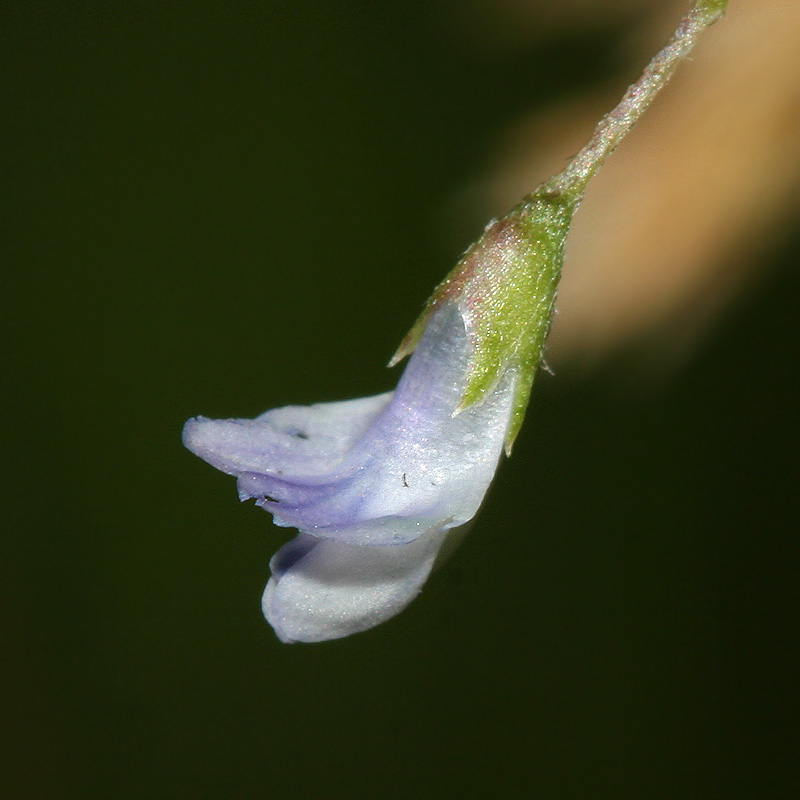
x,y
377,486
374,485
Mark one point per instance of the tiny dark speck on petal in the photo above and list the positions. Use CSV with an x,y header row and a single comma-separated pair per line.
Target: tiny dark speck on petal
x,y
299,435
405,480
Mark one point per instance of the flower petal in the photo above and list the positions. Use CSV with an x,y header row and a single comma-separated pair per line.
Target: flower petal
x,y
321,589
418,462
298,441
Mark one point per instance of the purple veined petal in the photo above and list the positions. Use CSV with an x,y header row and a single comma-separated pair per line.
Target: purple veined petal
x,y
418,461
272,492
305,442
378,470
322,589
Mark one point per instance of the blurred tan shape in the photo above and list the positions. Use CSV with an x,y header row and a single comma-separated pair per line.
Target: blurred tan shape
x,y
678,218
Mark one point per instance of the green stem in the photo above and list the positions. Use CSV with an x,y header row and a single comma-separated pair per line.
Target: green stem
x,y
611,130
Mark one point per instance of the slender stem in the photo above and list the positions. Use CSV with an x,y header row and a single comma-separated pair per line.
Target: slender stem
x,y
611,130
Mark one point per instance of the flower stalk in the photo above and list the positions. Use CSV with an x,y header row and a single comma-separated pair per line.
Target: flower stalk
x,y
613,128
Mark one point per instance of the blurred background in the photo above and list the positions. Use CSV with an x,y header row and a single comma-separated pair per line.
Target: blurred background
x,y
218,208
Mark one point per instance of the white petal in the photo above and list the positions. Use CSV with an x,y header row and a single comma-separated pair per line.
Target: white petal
x,y
322,589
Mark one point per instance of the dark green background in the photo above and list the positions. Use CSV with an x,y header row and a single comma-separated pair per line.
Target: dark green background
x,y
221,207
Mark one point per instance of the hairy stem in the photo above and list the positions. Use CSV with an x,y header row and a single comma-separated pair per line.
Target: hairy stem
x,y
611,130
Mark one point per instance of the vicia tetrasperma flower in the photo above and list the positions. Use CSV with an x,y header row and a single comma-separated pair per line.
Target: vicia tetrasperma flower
x,y
375,486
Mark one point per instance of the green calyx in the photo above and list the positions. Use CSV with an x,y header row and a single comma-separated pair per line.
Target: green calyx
x,y
714,7
505,287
